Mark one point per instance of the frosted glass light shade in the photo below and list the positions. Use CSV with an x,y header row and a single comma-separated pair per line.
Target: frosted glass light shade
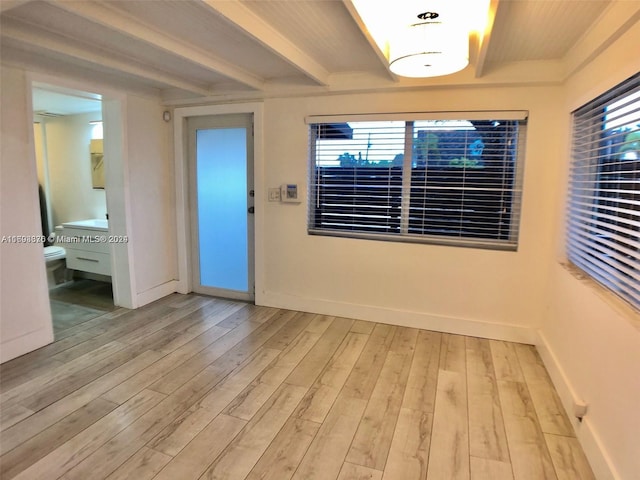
x,y
429,49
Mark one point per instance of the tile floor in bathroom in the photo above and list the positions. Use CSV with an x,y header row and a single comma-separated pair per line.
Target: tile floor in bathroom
x,y
79,300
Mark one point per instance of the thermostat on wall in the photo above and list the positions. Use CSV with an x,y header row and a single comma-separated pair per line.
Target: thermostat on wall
x,y
289,193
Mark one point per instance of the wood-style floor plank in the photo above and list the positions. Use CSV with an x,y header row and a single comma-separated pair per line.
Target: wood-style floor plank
x,y
316,404
58,390
479,359
252,396
505,361
358,472
420,394
305,374
202,451
449,452
147,427
241,337
409,452
82,445
484,469
12,414
285,452
53,437
364,375
193,387
132,324
15,372
529,453
166,320
551,414
31,426
568,458
326,454
179,433
362,326
372,441
239,458
138,382
453,353
206,316
22,368
144,465
487,438
23,392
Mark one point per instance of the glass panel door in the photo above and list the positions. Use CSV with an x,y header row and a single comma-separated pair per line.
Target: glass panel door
x,y
222,205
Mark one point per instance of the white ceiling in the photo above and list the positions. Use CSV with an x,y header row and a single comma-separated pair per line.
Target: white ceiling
x,y
188,50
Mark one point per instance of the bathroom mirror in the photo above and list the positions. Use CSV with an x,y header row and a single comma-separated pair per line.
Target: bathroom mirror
x,y
97,164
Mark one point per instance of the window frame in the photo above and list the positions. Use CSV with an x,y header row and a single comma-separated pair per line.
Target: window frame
x,y
603,200
407,171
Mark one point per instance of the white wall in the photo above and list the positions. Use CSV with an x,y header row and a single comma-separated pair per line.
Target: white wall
x,y
72,195
143,200
473,291
24,308
590,341
152,200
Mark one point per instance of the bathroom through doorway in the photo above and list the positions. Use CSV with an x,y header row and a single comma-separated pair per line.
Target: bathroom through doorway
x,y
69,141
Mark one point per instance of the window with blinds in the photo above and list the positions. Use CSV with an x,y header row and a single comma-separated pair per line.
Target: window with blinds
x,y
604,191
452,180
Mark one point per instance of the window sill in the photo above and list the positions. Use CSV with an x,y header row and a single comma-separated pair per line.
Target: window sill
x,y
624,309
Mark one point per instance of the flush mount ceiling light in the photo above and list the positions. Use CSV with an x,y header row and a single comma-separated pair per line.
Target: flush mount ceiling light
x,y
433,44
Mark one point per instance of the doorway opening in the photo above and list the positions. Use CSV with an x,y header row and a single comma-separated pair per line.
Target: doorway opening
x,y
68,140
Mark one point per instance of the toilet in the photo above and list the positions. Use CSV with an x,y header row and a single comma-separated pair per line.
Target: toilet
x,y
56,265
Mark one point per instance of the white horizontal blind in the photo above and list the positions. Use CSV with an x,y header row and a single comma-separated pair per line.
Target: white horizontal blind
x,y
603,234
454,181
416,116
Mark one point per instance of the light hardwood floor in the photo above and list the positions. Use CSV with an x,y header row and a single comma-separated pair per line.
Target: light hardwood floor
x,y
193,387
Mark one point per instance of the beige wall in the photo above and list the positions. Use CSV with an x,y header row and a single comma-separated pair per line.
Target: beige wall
x,y
24,308
589,339
484,292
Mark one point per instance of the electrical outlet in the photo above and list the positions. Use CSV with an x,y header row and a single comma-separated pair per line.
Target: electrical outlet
x,y
579,409
274,194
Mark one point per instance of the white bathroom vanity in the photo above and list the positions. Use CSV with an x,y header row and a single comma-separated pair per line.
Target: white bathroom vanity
x,y
87,246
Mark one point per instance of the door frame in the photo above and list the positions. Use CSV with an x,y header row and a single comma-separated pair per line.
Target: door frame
x,y
114,107
183,217
237,121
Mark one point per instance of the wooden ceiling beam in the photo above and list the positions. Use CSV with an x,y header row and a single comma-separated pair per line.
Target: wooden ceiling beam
x,y
255,27
104,16
484,39
353,11
27,35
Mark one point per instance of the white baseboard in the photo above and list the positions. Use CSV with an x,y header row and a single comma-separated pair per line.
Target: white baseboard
x,y
156,293
403,318
25,343
587,436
